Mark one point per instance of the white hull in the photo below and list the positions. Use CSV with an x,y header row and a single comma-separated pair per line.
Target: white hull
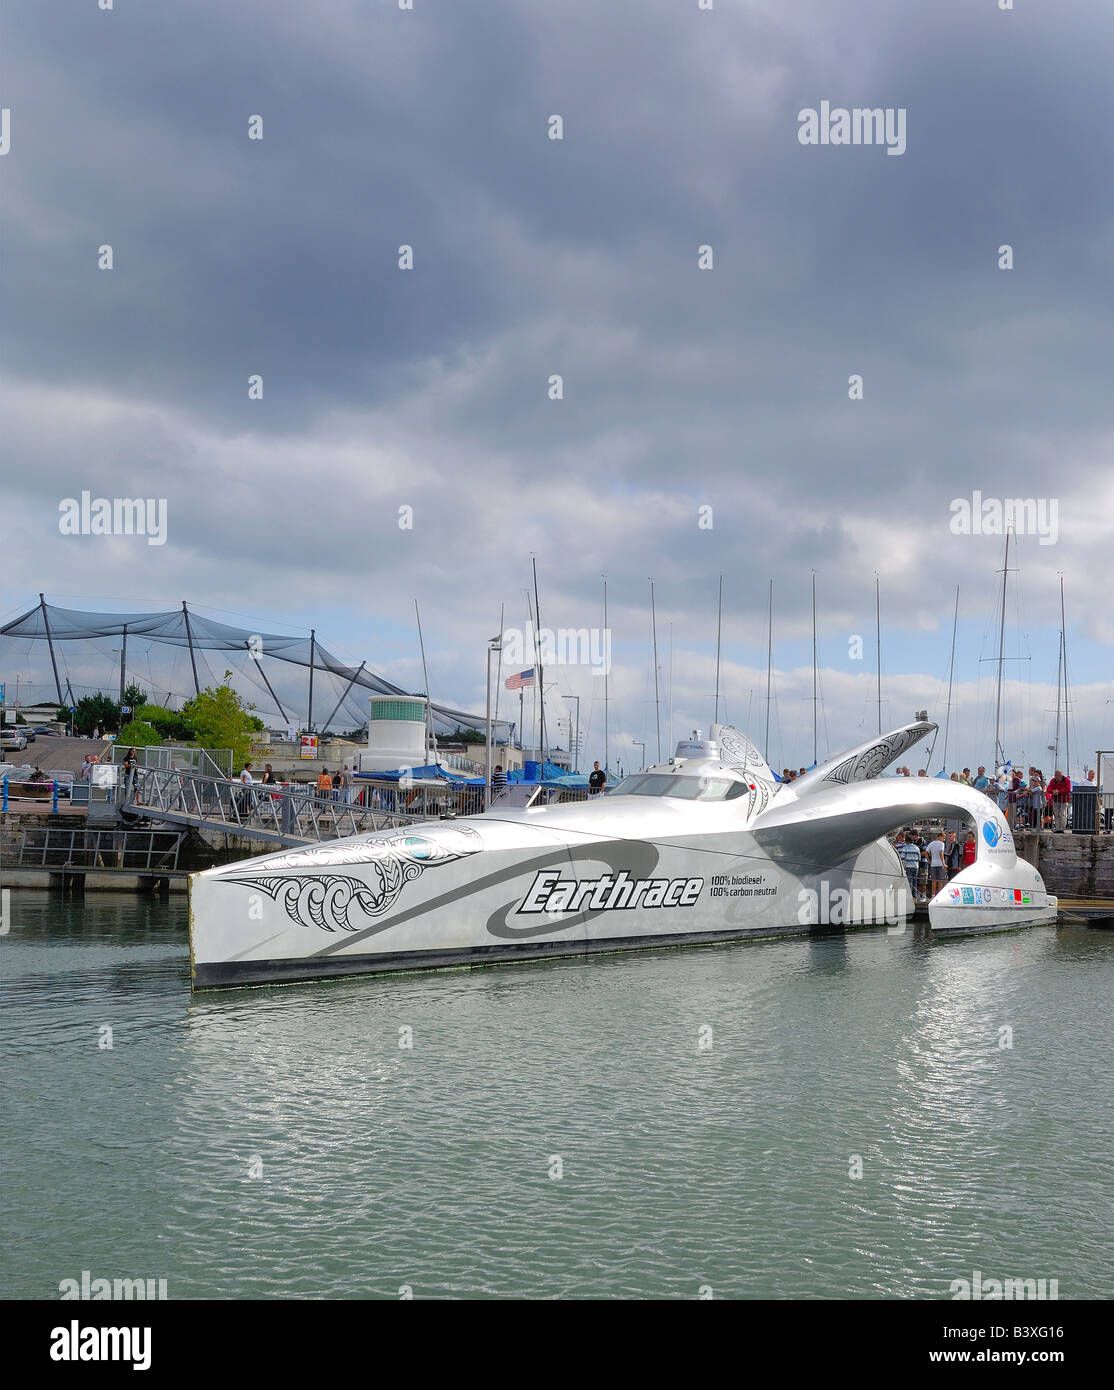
x,y
622,872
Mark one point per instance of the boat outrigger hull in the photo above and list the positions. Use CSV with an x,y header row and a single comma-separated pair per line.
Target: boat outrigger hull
x,y
705,848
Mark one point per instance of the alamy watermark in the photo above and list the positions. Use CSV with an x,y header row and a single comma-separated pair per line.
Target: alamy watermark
x,y
87,1287
565,646
861,125
841,907
994,516
979,1286
113,516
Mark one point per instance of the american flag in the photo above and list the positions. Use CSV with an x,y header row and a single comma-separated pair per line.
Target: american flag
x,y
522,678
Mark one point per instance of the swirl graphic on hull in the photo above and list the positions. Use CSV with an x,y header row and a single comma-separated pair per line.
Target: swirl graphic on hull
x,y
326,900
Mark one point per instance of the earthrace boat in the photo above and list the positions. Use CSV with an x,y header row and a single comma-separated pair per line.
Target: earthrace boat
x,y
706,847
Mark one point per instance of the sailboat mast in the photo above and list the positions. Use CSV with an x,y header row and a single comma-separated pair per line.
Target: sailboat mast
x,y
1059,686
657,701
429,737
769,666
534,687
951,677
538,659
669,695
606,670
1064,646
1001,649
815,703
719,630
878,643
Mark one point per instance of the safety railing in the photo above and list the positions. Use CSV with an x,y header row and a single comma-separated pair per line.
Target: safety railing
x,y
295,813
140,851
206,762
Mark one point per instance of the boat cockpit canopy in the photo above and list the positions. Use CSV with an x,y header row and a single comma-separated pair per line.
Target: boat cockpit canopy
x,y
687,787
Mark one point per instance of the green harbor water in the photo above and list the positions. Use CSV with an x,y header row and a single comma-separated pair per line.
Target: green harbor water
x,y
671,1124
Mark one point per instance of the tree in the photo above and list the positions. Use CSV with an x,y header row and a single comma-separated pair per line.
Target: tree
x,y
96,710
134,695
139,734
169,723
221,720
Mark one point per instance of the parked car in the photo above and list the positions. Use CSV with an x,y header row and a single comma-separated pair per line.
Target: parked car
x,y
11,736
28,732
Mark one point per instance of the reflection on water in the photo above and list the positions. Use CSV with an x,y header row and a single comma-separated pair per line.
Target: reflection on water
x,y
704,1109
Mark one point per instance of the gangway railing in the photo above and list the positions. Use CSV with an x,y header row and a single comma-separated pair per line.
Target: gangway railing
x,y
288,815
139,851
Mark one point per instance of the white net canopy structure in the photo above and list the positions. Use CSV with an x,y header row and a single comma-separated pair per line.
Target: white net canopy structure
x,y
170,655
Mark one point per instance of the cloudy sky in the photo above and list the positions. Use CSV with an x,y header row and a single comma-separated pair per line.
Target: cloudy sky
x,y
683,388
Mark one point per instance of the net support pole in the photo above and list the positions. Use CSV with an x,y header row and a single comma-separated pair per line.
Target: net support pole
x,y
312,659
50,644
123,667
344,695
189,639
258,661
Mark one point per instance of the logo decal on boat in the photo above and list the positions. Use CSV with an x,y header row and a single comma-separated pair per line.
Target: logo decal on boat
x,y
551,893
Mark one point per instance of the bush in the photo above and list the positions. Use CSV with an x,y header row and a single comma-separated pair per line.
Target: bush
x,y
138,734
169,723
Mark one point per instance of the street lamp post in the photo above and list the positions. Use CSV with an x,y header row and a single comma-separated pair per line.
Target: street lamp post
x,y
576,744
493,646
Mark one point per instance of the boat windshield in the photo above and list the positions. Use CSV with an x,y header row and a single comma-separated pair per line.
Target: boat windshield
x,y
687,788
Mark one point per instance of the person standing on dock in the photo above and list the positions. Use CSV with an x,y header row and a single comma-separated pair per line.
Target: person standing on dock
x,y
247,796
498,781
1059,792
131,764
909,852
1036,798
937,866
596,780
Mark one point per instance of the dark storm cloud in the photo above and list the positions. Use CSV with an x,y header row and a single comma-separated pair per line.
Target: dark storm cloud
x,y
682,388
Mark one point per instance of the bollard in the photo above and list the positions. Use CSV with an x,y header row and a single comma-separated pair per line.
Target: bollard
x,y
54,798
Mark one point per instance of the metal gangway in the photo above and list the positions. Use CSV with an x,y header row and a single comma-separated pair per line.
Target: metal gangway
x,y
280,815
153,852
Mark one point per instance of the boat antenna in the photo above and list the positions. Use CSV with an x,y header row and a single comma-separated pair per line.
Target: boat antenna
x,y
657,701
1001,648
538,658
719,630
769,666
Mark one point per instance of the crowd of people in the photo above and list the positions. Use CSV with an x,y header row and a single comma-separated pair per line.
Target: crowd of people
x,y
929,864
1029,801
